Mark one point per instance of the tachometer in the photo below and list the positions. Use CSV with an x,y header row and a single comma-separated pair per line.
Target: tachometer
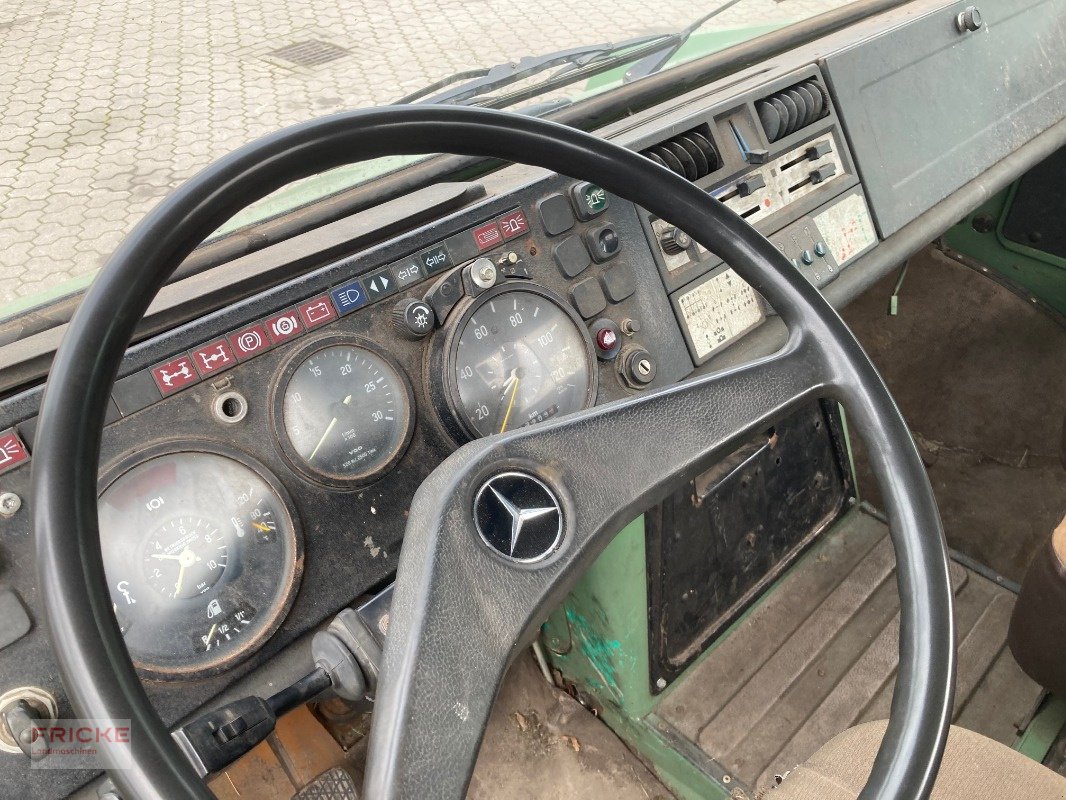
x,y
343,411
203,557
519,357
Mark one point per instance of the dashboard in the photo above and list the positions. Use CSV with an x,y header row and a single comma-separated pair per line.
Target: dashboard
x,y
258,460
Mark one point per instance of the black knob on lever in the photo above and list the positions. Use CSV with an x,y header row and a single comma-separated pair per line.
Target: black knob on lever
x,y
20,718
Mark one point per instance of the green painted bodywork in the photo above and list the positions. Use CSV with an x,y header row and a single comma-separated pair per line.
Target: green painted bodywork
x,y
598,640
1032,272
1044,729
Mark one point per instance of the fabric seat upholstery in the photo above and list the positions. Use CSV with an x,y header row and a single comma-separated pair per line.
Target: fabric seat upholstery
x,y
974,768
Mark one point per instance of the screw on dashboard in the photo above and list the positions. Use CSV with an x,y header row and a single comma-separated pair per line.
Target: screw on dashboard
x,y
10,503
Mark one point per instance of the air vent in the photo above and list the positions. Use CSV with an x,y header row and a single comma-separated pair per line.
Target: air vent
x,y
690,154
793,108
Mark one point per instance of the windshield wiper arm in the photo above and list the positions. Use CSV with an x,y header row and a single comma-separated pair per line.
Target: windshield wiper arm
x,y
483,81
656,61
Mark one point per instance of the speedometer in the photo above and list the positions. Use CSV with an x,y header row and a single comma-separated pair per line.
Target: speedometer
x,y
202,556
519,357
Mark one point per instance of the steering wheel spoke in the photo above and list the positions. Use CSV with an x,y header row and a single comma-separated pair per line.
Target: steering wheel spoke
x,y
462,611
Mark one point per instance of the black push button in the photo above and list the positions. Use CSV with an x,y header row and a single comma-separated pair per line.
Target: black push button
x,y
435,259
619,283
604,242
588,298
555,214
823,173
589,199
571,256
380,284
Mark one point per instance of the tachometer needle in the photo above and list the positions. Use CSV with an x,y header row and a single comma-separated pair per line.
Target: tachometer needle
x,y
347,401
510,403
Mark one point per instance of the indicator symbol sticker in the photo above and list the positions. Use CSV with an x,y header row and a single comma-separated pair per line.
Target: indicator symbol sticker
x,y
249,342
213,357
183,373
284,326
123,588
513,224
174,375
317,311
349,297
487,235
12,451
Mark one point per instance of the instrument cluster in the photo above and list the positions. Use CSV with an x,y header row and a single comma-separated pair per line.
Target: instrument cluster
x,y
327,415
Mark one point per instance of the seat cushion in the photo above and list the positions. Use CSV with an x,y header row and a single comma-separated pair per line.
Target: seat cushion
x,y
974,768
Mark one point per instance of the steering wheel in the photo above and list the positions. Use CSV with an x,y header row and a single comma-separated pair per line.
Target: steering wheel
x,y
461,611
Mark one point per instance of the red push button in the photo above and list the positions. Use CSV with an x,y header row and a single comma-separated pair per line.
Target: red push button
x,y
317,311
12,451
175,375
513,224
213,357
487,235
606,339
283,326
249,342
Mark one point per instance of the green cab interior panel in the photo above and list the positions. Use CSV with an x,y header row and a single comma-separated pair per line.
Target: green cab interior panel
x,y
1018,236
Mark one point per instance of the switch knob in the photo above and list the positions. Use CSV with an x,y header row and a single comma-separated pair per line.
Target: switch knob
x,y
806,257
413,317
675,241
969,19
749,184
820,249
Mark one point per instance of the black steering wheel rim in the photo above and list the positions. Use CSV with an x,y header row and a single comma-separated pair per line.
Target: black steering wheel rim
x,y
92,657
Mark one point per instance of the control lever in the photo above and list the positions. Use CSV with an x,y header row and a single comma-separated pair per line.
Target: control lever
x,y
347,659
20,718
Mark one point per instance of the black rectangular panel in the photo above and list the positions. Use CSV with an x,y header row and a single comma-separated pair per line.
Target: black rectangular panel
x,y
717,543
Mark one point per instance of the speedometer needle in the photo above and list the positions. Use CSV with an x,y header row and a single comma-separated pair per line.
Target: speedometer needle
x,y
510,403
347,402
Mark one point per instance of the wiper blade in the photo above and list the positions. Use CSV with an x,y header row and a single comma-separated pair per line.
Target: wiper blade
x,y
480,82
651,53
656,61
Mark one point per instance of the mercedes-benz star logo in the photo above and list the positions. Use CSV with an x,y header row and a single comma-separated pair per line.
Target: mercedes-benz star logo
x,y
518,516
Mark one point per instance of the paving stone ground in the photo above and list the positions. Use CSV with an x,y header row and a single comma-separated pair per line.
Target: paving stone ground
x,y
106,105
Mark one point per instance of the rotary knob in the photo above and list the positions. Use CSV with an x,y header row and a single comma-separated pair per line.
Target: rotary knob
x,y
674,241
413,317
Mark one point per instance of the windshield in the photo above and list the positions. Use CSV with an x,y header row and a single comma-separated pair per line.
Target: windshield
x,y
107,105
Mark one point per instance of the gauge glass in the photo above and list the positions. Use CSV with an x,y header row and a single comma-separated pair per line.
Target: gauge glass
x,y
520,358
346,412
201,557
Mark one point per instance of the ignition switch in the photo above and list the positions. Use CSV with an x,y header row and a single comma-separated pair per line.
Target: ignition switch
x,y
637,367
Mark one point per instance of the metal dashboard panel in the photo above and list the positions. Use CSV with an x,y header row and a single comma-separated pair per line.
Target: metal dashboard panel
x,y
927,108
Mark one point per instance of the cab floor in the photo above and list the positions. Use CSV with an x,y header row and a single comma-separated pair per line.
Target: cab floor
x,y
820,652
